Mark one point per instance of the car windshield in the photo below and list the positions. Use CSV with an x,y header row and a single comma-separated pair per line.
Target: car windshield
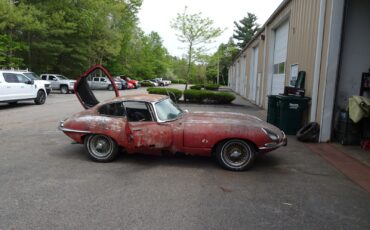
x,y
32,76
167,110
62,77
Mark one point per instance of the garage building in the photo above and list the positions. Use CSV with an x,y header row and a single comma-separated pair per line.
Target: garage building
x,y
328,39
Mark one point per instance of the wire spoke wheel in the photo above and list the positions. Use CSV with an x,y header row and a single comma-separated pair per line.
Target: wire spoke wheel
x,y
101,148
235,155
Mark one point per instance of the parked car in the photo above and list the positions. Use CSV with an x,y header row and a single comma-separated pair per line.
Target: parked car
x,y
149,81
59,82
135,83
103,83
124,84
159,82
153,124
15,86
162,82
130,86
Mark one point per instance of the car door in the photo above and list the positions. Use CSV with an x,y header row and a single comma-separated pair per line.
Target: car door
x,y
8,87
102,83
83,90
12,87
54,82
26,86
145,134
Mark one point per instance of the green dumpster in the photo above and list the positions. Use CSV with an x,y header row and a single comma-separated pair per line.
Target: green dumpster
x,y
291,113
273,110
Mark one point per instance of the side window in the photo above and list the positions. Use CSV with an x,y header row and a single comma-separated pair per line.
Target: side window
x,y
113,109
10,77
43,77
96,79
52,78
22,78
137,111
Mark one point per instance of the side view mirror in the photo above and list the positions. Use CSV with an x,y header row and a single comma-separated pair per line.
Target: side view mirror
x,y
55,79
30,82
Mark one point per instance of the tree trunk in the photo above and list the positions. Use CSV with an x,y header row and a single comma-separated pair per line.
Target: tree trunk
x,y
189,65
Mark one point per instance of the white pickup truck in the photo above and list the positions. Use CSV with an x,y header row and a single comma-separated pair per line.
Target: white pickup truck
x,y
103,83
59,82
15,86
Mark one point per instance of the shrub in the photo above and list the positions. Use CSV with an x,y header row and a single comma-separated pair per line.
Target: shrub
x,y
179,81
146,84
208,96
196,87
174,94
212,87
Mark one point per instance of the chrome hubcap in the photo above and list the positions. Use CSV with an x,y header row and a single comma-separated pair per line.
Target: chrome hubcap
x,y
100,146
236,153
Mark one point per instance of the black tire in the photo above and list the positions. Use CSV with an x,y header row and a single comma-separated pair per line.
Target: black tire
x,y
309,132
110,87
244,155
101,148
41,97
64,89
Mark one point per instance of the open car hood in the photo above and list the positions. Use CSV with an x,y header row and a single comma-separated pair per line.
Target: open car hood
x,y
83,91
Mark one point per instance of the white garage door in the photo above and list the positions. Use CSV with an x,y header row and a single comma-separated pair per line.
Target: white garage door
x,y
280,53
253,78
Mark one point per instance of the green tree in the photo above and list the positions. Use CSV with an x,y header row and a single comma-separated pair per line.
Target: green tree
x,y
15,21
245,30
194,31
220,61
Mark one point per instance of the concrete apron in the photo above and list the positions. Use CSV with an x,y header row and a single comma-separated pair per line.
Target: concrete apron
x,y
354,169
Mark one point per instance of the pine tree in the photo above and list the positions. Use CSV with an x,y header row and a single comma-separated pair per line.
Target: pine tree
x,y
245,30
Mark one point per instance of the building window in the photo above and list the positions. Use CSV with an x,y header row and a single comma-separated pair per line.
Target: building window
x,y
279,68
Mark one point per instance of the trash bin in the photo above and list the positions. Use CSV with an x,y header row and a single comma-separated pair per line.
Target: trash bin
x,y
273,110
291,109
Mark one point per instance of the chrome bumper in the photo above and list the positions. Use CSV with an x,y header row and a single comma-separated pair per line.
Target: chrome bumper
x,y
273,145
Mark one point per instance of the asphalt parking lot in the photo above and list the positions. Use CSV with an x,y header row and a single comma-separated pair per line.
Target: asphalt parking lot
x,y
48,183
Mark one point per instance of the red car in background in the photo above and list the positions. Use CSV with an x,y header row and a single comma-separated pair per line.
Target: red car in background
x,y
135,83
153,124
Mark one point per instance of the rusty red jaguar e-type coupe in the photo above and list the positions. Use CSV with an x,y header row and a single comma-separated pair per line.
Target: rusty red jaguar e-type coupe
x,y
154,124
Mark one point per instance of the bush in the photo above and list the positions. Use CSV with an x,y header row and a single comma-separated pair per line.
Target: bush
x,y
212,87
179,81
200,96
174,94
196,87
146,84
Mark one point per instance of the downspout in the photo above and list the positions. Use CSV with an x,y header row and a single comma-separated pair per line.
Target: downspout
x,y
316,74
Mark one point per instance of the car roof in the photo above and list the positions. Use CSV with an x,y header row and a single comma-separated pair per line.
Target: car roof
x,y
14,71
142,97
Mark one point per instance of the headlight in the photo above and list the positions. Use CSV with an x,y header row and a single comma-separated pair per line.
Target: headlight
x,y
271,134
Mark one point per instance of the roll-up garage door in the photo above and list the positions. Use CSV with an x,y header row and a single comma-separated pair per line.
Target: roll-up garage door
x,y
279,61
